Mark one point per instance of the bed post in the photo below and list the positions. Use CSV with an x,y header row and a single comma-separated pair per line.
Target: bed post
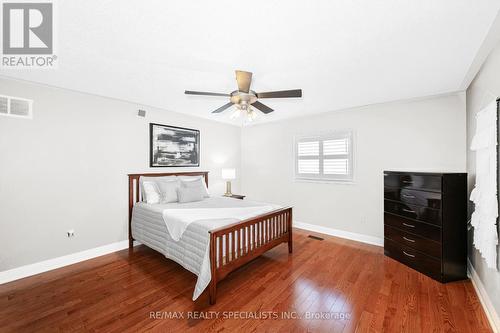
x,y
212,288
130,207
290,238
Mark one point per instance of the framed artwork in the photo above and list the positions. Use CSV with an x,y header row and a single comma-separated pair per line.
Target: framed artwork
x,y
171,146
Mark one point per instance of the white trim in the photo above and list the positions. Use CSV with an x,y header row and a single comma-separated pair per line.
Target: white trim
x,y
490,311
48,265
340,233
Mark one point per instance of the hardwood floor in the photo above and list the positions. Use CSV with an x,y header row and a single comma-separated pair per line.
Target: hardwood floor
x,y
347,286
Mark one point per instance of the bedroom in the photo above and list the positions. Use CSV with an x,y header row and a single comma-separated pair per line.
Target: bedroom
x,y
293,223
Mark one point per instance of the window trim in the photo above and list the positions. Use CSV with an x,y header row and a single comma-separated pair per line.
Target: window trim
x,y
8,114
321,178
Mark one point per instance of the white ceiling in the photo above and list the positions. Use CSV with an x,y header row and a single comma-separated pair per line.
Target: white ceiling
x,y
342,53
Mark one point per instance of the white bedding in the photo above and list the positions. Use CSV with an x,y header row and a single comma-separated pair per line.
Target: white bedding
x,y
151,225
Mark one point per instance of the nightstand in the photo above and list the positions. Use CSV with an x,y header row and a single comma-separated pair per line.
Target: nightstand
x,y
235,196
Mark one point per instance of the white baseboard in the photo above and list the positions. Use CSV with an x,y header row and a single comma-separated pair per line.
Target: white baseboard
x,y
484,298
48,265
340,233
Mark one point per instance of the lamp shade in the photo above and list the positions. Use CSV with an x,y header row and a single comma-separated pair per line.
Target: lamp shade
x,y
228,174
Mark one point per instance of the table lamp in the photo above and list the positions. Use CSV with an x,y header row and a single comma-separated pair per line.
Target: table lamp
x,y
228,175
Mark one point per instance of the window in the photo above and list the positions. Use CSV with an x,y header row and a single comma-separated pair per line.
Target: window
x,y
15,107
324,157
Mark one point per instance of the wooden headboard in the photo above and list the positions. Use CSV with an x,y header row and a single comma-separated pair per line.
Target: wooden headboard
x,y
134,194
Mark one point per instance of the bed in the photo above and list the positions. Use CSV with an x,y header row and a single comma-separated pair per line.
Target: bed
x,y
225,233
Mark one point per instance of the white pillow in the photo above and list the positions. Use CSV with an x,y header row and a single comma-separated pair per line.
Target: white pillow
x,y
168,190
197,182
143,179
151,193
189,194
166,186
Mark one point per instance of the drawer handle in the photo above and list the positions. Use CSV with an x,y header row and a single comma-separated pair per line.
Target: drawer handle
x,y
409,255
409,196
408,225
408,210
408,240
408,181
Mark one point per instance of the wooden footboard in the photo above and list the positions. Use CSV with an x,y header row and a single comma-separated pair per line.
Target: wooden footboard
x,y
233,246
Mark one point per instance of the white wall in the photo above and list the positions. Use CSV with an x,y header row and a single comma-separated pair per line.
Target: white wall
x,y
424,135
67,169
484,89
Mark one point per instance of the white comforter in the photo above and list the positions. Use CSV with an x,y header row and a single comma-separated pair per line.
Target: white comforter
x,y
177,220
152,225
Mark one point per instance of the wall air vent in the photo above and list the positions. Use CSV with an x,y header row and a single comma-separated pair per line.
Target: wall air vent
x,y
16,107
4,105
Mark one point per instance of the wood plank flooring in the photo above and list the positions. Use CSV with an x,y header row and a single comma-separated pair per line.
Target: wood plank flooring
x,y
334,285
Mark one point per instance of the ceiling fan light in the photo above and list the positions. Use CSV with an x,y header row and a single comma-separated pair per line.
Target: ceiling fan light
x,y
236,114
251,114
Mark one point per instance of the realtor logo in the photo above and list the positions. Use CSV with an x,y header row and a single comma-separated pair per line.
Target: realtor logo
x,y
28,30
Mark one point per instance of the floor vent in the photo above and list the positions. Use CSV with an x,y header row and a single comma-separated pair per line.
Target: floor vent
x,y
315,237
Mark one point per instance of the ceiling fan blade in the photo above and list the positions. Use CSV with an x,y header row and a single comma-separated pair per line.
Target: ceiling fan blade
x,y
222,108
262,107
281,94
244,80
189,92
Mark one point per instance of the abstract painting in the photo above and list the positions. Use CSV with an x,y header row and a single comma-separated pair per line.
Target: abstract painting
x,y
171,146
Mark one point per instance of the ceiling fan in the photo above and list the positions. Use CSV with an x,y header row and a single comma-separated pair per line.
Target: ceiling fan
x,y
244,98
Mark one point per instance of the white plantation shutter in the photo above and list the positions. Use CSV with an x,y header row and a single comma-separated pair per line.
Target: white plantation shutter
x,y
336,146
308,148
16,107
309,166
324,157
336,166
308,157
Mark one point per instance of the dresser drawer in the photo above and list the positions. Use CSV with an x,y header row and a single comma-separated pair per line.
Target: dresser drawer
x,y
413,181
421,244
424,214
413,258
413,197
416,228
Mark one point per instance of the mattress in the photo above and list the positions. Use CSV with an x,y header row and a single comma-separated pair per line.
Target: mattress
x,y
192,250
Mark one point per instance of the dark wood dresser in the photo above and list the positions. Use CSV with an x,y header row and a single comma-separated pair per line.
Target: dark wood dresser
x,y
425,222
